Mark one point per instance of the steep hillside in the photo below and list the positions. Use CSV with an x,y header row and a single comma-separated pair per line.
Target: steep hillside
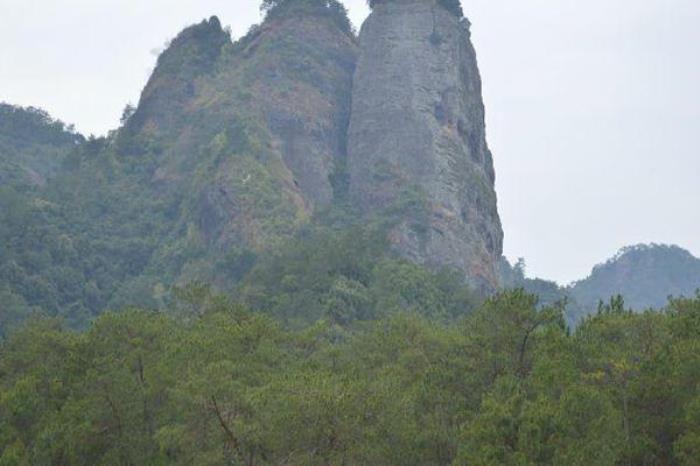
x,y
33,151
251,132
416,145
645,276
232,148
289,253
264,166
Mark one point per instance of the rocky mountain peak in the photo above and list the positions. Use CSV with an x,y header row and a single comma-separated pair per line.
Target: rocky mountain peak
x,y
417,133
192,54
301,115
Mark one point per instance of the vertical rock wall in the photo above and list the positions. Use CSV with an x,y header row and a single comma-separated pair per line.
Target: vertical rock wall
x,y
416,143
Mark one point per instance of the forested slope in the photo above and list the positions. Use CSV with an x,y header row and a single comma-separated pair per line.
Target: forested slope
x,y
32,146
232,148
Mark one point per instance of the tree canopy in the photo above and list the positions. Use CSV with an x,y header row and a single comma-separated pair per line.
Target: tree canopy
x,y
331,8
211,382
453,6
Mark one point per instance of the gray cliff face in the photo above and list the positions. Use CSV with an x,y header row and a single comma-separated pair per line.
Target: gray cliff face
x,y
303,85
256,136
416,141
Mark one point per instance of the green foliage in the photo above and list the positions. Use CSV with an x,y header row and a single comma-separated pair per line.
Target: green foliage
x,y
26,126
32,146
330,8
328,349
347,274
69,247
548,292
453,6
506,385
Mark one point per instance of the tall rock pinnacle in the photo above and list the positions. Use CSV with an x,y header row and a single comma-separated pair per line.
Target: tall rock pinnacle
x,y
416,142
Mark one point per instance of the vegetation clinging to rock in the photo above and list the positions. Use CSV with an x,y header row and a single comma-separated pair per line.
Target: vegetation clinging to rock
x,y
332,8
453,6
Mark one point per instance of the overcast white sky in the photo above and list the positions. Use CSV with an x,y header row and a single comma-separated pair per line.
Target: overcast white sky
x,y
593,106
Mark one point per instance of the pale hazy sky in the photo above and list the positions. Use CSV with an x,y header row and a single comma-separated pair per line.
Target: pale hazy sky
x,y
593,106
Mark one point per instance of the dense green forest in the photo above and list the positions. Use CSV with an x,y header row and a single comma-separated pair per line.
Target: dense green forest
x,y
32,146
69,244
94,238
211,383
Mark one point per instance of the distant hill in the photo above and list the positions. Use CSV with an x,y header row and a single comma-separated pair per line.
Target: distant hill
x,y
513,276
645,276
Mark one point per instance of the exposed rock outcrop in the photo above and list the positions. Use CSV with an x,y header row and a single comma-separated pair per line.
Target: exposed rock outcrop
x,y
417,134
193,54
250,132
298,69
253,135
236,149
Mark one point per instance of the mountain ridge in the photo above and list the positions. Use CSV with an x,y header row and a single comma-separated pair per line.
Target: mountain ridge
x,y
644,276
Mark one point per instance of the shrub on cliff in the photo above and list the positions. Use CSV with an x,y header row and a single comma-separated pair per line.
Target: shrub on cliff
x,y
453,6
331,8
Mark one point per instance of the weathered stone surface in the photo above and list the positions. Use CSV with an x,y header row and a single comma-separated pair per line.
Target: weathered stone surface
x,y
193,54
417,131
254,134
300,69
253,131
